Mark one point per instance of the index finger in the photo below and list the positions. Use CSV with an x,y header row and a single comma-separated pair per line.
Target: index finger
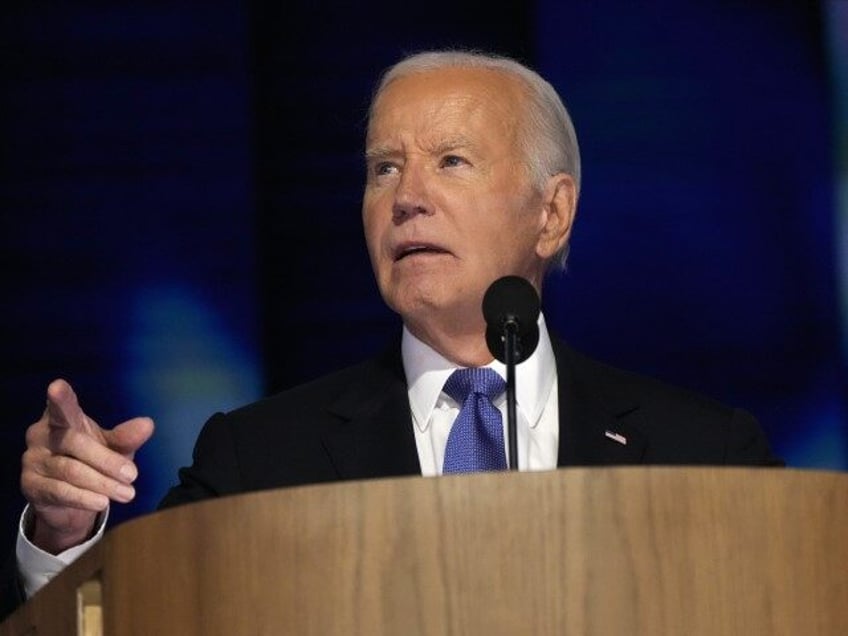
x,y
63,409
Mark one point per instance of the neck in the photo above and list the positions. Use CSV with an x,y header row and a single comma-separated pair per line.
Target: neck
x,y
464,348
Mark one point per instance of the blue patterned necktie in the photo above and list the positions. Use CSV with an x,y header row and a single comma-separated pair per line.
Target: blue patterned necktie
x,y
476,440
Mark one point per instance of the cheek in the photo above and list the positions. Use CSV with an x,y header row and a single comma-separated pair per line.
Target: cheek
x,y
513,240
372,228
375,252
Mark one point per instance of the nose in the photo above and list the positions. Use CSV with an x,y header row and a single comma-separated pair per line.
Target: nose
x,y
411,195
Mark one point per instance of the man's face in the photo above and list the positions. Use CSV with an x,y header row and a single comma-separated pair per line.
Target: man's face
x,y
448,205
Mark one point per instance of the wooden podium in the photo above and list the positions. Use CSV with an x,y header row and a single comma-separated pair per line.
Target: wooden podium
x,y
574,551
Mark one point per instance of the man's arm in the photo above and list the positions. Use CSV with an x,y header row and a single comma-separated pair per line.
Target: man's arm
x,y
71,470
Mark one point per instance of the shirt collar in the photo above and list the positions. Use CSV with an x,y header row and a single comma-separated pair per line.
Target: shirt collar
x,y
427,371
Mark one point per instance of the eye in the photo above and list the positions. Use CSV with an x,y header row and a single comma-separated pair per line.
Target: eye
x,y
452,161
382,168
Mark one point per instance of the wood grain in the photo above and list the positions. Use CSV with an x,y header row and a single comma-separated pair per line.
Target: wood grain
x,y
578,551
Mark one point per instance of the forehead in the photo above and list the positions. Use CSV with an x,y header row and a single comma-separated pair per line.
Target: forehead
x,y
446,101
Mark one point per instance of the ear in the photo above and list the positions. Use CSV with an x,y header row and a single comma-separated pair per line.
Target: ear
x,y
559,201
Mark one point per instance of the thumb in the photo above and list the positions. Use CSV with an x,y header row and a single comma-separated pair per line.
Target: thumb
x,y
126,438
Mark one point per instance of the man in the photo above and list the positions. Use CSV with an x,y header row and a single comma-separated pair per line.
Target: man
x,y
473,173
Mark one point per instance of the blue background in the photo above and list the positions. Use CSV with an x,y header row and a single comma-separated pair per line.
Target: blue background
x,y
181,183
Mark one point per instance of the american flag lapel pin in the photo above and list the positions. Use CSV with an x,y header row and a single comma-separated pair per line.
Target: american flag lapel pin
x,y
616,437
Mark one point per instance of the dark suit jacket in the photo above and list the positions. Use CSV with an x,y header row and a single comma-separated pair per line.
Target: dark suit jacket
x,y
356,424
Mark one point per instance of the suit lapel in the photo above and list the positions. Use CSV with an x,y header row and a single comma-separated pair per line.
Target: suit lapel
x,y
597,425
372,431
372,434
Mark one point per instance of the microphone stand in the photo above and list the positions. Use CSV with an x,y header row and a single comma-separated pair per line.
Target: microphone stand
x,y
510,303
510,341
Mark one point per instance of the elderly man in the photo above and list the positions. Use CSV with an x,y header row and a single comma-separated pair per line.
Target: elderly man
x,y
473,173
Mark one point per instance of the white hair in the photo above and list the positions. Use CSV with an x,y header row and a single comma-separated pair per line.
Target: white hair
x,y
548,140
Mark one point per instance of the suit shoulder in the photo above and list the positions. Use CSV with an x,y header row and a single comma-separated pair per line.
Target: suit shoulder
x,y
317,393
621,387
678,425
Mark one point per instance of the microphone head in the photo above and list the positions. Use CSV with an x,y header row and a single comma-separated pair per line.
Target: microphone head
x,y
511,300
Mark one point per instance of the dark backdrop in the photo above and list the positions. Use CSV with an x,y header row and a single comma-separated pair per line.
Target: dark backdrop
x,y
181,184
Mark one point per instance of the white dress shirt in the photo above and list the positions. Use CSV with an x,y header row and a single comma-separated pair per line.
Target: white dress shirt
x,y
433,413
36,566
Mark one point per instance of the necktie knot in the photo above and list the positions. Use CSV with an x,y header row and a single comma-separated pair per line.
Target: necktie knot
x,y
481,381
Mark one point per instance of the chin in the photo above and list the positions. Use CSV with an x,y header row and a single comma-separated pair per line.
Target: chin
x,y
414,306
448,312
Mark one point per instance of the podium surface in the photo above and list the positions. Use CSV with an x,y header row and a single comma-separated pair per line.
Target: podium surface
x,y
577,551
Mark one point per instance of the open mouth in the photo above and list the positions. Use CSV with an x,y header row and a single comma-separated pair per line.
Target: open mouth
x,y
405,251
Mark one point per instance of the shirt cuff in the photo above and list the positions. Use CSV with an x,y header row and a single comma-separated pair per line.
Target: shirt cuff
x,y
35,566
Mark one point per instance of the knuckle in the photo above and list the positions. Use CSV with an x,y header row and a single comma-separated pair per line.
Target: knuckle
x,y
58,466
28,485
33,463
29,459
35,434
68,469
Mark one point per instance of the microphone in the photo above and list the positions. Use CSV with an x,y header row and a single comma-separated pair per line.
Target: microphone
x,y
511,310
511,304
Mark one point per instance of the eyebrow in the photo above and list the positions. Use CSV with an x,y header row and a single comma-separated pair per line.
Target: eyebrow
x,y
455,142
379,152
